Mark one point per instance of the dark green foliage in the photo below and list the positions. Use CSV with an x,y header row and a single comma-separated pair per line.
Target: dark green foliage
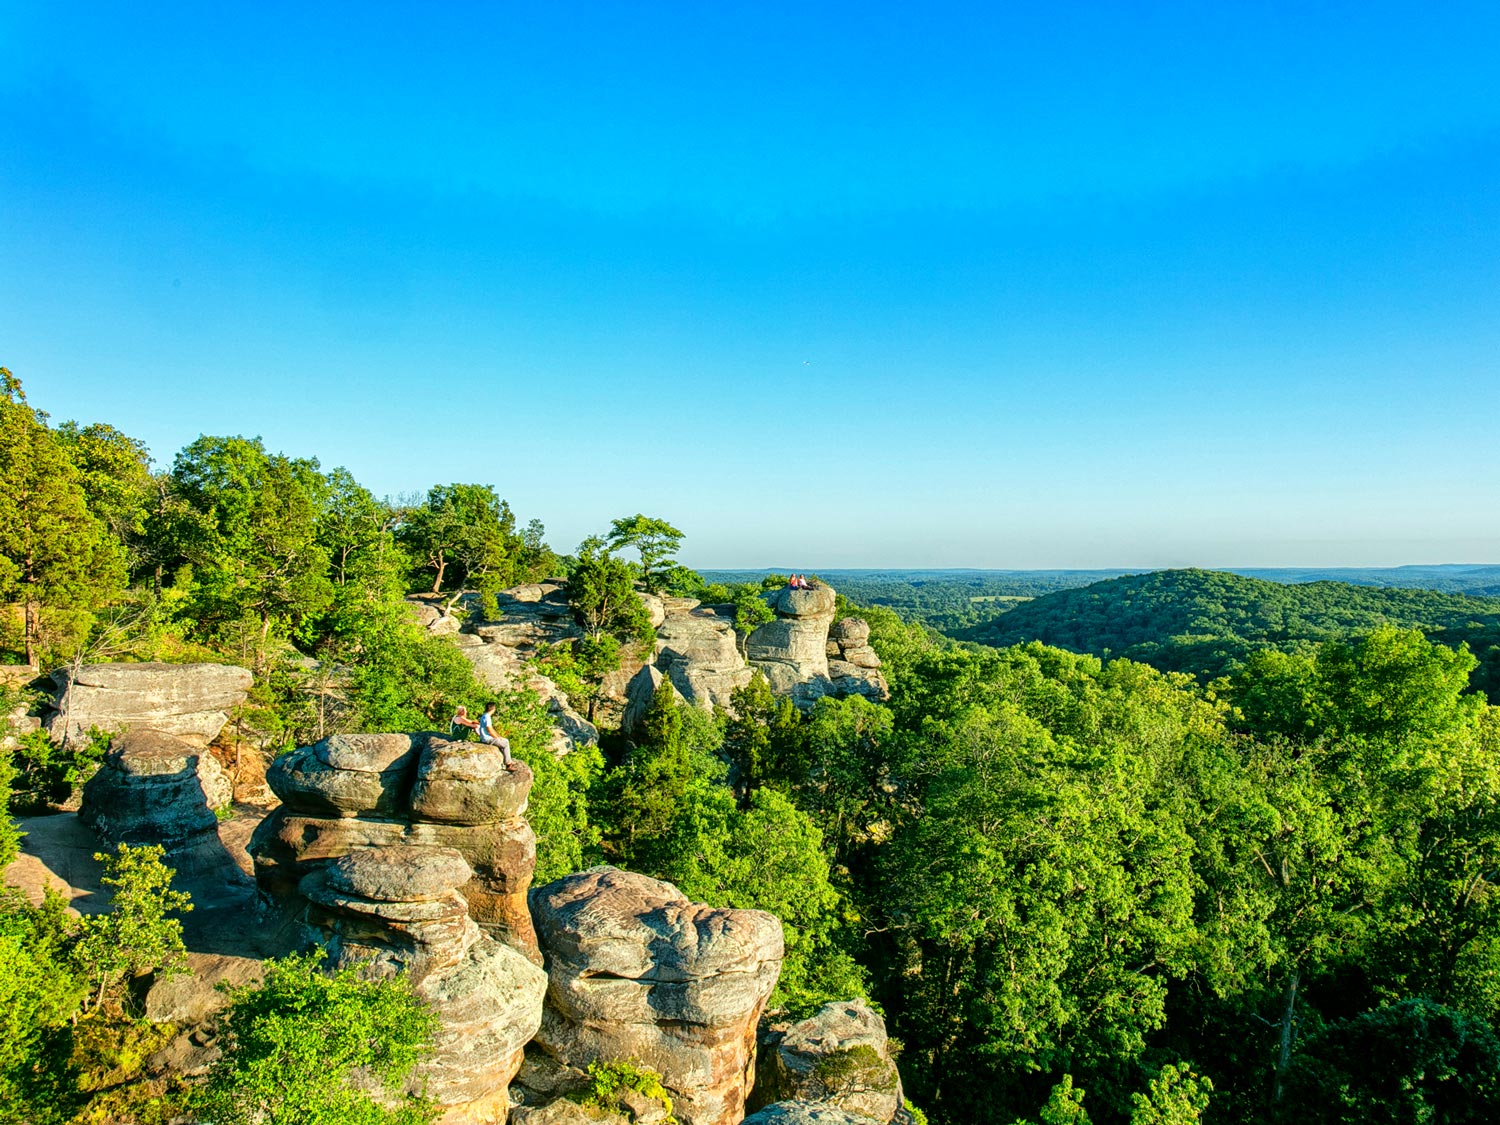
x,y
1414,1061
601,590
465,534
58,560
1202,621
39,995
10,835
291,1043
46,774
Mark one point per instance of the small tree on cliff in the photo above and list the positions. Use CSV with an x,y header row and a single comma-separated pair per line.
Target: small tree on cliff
x,y
602,594
655,539
751,611
291,1043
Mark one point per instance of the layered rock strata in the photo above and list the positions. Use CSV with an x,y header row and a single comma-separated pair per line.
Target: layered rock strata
x,y
840,1056
357,791
188,701
398,909
853,666
153,788
639,972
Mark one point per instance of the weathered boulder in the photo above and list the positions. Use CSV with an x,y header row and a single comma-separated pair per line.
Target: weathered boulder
x,y
347,774
638,971
805,1113
698,651
156,789
468,783
853,666
393,909
850,632
188,701
840,1056
530,616
397,908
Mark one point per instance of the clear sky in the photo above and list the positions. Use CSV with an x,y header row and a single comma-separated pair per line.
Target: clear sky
x,y
825,285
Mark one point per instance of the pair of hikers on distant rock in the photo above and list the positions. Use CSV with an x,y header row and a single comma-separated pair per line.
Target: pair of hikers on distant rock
x,y
798,582
461,725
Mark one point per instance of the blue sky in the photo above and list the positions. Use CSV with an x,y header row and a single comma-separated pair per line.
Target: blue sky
x,y
825,285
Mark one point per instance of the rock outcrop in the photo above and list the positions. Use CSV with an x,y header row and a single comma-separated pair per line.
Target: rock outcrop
x,y
153,788
697,650
840,1057
638,971
188,701
500,649
357,791
398,909
853,666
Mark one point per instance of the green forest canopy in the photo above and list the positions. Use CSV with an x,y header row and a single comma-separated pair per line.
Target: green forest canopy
x,y
1203,621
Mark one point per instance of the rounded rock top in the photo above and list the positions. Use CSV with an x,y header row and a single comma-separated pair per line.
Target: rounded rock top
x,y
813,601
399,873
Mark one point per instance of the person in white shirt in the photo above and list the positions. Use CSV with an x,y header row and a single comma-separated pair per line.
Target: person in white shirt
x,y
491,737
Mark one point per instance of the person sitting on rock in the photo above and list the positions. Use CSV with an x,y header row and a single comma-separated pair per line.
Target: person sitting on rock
x,y
490,737
795,582
461,726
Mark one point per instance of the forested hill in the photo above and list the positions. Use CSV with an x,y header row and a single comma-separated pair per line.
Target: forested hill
x,y
1202,621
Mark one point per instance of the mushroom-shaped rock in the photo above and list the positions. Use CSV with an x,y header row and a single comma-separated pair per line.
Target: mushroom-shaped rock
x,y
839,1056
396,874
392,909
347,775
805,1113
153,788
468,783
637,970
188,701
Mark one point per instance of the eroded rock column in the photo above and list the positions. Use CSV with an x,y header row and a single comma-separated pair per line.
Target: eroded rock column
x,y
637,971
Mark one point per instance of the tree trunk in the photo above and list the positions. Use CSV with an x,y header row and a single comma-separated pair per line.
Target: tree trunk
x,y
1288,1029
437,583
33,632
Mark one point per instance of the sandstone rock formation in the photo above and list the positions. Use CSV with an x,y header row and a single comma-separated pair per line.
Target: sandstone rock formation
x,y
853,666
156,789
792,651
398,908
839,1057
351,792
637,971
698,651
189,701
562,1111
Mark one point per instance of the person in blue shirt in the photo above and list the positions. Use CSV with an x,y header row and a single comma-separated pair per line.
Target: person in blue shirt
x,y
491,737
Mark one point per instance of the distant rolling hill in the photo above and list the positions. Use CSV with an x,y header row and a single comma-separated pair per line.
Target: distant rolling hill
x,y
1202,621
